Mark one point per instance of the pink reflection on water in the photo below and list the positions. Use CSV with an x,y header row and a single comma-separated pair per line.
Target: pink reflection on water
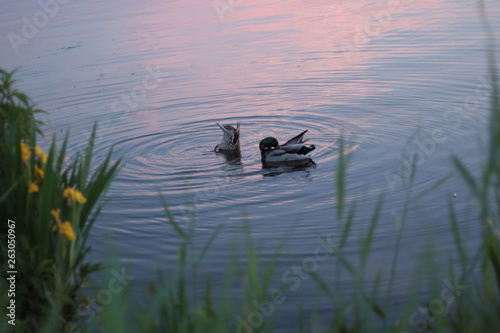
x,y
263,51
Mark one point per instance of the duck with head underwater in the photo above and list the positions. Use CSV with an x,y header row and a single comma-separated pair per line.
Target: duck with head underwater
x,y
292,153
230,140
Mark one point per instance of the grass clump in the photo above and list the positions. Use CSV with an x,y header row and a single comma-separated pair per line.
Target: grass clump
x,y
47,207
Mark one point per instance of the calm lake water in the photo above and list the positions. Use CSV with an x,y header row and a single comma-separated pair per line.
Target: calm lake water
x,y
384,80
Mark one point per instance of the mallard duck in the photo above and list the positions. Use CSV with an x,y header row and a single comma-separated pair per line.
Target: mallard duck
x,y
230,139
293,152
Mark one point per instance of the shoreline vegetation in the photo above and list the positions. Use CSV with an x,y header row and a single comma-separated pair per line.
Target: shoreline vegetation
x,y
48,205
47,208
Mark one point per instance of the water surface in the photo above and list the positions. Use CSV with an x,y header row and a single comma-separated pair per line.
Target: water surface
x,y
385,83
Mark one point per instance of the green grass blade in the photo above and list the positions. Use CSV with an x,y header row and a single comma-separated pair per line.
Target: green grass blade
x,y
466,176
209,243
365,247
341,175
456,234
171,220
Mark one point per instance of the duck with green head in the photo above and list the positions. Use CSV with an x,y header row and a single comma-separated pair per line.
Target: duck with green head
x,y
293,152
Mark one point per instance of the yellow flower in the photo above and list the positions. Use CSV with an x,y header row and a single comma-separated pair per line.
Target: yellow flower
x,y
69,193
25,152
55,214
39,173
33,187
41,154
66,230
74,195
79,197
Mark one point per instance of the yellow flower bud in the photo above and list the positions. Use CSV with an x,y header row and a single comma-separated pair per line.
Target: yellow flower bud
x,y
39,173
41,154
33,187
25,152
74,195
55,213
66,229
79,197
68,193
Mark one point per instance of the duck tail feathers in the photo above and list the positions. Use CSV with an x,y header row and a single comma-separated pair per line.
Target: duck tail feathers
x,y
296,139
305,150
